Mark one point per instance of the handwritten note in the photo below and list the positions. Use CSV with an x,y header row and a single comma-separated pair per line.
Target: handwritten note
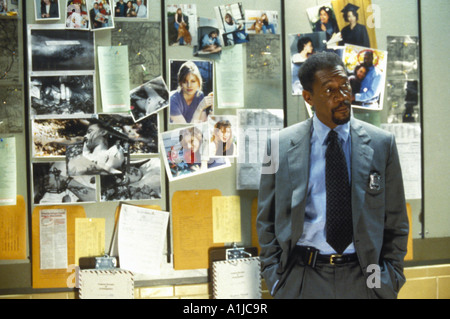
x,y
141,238
89,237
226,219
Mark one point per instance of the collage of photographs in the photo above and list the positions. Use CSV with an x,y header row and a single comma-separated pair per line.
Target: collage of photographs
x,y
83,152
67,123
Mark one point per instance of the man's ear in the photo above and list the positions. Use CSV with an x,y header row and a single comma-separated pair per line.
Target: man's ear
x,y
307,96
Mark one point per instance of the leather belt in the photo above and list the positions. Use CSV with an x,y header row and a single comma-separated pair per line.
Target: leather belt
x,y
310,256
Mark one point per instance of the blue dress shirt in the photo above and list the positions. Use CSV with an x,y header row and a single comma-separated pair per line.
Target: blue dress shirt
x,y
315,210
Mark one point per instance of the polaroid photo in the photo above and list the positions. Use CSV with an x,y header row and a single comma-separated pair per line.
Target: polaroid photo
x,y
53,186
367,70
261,22
223,132
142,181
77,17
100,14
231,21
149,98
142,135
185,153
182,24
135,9
302,47
53,48
46,10
209,44
62,95
191,91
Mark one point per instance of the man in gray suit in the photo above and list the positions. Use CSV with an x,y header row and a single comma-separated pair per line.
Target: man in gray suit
x,y
297,259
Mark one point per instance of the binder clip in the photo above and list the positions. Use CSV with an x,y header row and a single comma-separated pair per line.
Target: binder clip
x,y
105,263
236,253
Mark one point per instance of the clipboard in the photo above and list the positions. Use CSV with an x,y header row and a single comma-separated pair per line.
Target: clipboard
x,y
54,278
235,273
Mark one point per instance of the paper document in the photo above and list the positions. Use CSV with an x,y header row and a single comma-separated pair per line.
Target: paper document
x,y
114,78
141,238
53,238
407,138
230,78
8,171
237,279
89,238
226,219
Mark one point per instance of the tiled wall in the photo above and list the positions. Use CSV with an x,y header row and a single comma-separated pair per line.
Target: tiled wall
x,y
428,282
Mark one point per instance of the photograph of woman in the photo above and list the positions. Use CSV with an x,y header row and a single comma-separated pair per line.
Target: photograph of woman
x,y
47,9
223,132
191,98
354,33
323,19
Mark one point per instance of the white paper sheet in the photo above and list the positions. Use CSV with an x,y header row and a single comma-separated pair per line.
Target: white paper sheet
x,y
230,78
114,78
407,137
8,181
53,238
141,237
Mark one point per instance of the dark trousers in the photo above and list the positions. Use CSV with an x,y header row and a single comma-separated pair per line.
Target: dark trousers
x,y
325,281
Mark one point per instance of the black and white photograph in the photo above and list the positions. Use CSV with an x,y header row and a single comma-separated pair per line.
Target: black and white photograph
x,y
148,99
367,75
52,185
185,152
255,126
402,89
103,151
56,49
134,9
100,14
302,47
142,181
77,17
191,91
223,134
142,135
62,95
46,10
231,21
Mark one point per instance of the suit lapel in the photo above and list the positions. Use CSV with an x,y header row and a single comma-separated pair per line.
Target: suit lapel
x,y
298,168
361,160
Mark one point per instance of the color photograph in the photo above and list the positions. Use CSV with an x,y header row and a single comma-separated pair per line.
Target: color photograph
x,y
191,91
185,153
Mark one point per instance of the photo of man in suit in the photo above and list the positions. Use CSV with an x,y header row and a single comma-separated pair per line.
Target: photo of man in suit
x,y
304,253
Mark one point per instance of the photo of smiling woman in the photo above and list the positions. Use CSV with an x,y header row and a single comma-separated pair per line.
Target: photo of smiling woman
x,y
191,98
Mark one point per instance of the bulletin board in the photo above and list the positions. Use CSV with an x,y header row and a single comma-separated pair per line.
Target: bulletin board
x,y
123,86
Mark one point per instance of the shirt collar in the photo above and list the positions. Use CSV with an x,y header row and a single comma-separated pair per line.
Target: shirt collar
x,y
321,130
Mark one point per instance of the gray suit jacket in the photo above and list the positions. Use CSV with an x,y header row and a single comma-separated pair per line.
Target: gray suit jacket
x,y
380,222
